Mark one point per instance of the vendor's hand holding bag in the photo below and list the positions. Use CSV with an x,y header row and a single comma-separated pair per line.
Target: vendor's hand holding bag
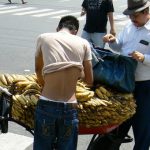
x,y
113,69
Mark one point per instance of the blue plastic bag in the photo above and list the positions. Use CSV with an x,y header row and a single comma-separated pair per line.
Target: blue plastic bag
x,y
113,69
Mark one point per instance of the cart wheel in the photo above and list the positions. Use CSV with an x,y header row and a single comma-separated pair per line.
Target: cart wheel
x,y
4,126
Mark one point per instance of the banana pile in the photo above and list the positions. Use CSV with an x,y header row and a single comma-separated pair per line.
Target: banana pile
x,y
25,91
83,93
23,108
105,107
100,107
7,79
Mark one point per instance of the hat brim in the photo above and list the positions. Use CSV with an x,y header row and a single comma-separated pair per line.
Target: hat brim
x,y
130,12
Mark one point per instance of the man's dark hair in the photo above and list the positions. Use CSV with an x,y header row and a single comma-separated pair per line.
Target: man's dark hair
x,y
69,22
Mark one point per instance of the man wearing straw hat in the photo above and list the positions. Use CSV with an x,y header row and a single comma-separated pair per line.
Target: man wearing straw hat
x,y
134,41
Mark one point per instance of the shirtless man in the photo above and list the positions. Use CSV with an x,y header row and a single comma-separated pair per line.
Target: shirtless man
x,y
61,59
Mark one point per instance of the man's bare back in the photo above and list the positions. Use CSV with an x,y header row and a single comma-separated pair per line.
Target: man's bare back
x,y
60,85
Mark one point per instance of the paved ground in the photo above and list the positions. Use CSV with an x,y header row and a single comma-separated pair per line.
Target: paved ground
x,y
20,25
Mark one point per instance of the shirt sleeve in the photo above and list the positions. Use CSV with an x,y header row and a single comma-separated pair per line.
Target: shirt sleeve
x,y
88,53
84,4
146,59
117,45
38,44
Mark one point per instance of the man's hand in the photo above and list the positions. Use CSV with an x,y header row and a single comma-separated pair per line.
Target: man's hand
x,y
109,38
83,12
112,31
137,56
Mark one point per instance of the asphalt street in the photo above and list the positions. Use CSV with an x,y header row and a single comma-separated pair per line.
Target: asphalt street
x,y
20,25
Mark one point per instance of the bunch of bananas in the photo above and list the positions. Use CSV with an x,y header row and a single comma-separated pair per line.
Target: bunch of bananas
x,y
7,79
106,107
83,93
23,108
103,93
25,87
25,91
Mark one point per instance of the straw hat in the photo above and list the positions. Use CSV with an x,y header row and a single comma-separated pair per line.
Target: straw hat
x,y
136,6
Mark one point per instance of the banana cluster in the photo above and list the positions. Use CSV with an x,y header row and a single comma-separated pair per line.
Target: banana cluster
x,y
83,93
107,107
25,91
7,79
25,87
100,107
103,93
23,108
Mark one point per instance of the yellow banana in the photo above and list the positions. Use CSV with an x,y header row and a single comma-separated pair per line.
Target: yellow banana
x,y
34,99
33,85
1,84
79,95
98,92
80,89
30,78
22,84
3,79
91,94
8,78
103,90
34,77
31,91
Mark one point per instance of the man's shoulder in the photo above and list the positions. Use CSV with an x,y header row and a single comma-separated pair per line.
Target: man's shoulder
x,y
46,34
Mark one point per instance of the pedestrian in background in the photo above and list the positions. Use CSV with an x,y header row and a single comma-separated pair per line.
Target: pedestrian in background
x,y
134,41
97,14
21,1
61,59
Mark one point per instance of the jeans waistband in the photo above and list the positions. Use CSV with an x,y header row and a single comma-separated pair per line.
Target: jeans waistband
x,y
58,104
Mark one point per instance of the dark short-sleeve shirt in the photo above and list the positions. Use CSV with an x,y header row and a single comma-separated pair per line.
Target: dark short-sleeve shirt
x,y
96,14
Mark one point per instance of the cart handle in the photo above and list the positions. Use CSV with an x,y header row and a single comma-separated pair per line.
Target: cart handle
x,y
5,90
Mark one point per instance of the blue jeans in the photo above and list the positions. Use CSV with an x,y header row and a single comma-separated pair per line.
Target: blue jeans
x,y
56,126
94,38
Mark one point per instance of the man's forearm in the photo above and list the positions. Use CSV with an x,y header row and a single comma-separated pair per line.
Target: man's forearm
x,y
111,20
40,78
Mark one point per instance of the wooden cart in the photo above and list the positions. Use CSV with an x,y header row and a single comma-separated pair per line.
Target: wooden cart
x,y
5,117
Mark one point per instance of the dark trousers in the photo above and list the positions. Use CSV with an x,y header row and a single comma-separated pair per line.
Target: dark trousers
x,y
140,122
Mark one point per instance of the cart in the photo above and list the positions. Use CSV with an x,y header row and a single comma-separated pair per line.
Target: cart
x,y
5,117
5,112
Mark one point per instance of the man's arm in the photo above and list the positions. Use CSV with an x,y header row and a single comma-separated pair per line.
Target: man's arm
x,y
84,6
88,72
111,21
39,64
113,42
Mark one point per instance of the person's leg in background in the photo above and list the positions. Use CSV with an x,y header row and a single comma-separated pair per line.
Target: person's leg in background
x,y
23,2
141,120
86,36
97,39
9,1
